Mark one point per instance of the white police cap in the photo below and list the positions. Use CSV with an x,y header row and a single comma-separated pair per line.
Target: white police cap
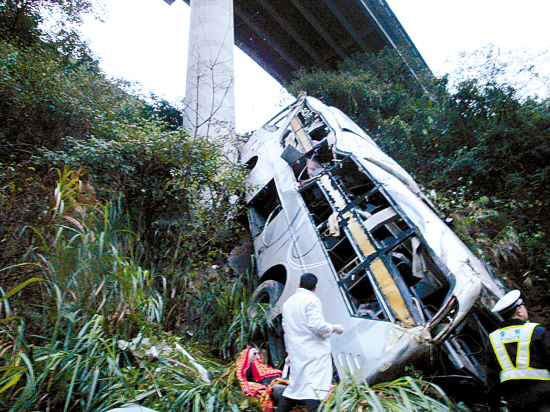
x,y
508,301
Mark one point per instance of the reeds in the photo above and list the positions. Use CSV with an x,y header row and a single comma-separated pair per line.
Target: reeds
x,y
404,394
60,350
80,367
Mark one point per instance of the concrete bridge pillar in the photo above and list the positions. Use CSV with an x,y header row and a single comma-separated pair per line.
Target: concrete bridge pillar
x,y
209,104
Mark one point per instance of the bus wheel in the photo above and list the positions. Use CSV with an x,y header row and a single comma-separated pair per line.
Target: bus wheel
x,y
268,293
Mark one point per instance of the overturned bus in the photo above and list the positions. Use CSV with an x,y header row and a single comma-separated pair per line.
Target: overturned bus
x,y
324,198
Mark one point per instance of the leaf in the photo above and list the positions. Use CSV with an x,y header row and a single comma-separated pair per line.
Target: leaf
x,y
13,380
19,287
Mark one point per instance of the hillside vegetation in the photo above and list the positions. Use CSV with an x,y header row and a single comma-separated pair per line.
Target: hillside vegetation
x,y
116,224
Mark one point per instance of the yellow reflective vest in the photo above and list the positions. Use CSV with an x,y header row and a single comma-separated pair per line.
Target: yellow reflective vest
x,y
521,336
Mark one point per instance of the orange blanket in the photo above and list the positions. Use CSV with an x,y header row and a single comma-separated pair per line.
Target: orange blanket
x,y
259,372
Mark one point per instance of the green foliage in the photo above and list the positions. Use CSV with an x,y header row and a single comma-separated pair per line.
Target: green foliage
x,y
46,96
79,366
87,249
520,69
50,88
165,111
23,199
67,335
76,364
90,261
95,295
380,94
20,20
11,371
367,87
403,394
224,319
504,144
178,190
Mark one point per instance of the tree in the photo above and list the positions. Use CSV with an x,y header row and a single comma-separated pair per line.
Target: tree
x,y
20,20
379,92
177,189
524,71
51,88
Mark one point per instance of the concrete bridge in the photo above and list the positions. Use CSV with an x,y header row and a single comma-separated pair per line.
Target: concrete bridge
x,y
282,36
285,35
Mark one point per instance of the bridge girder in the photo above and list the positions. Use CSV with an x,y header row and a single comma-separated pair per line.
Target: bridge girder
x,y
283,36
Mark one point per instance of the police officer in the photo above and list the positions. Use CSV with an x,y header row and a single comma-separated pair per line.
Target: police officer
x,y
518,358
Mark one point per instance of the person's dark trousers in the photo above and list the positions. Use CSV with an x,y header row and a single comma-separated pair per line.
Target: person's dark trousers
x,y
286,405
527,395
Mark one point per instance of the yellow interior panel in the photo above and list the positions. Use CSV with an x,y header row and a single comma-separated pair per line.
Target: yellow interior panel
x,y
302,135
358,232
391,291
385,281
356,229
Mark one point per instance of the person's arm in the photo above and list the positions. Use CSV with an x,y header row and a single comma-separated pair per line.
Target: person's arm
x,y
315,319
541,342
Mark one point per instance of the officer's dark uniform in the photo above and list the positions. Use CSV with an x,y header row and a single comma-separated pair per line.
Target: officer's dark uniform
x,y
521,378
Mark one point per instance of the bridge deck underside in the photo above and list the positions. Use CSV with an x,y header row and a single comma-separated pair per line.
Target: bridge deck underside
x,y
283,36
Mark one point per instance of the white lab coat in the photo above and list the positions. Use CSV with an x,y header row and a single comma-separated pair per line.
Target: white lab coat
x,y
308,346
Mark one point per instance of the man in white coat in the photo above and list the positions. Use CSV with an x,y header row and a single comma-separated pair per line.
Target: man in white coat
x,y
308,347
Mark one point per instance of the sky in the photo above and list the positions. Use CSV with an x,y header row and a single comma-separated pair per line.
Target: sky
x,y
146,41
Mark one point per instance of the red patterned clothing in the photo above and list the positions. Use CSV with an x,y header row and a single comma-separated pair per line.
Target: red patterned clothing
x,y
260,372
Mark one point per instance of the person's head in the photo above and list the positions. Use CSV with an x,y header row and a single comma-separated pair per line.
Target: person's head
x,y
517,312
511,306
308,281
254,355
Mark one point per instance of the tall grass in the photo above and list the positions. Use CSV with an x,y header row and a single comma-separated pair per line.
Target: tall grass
x,y
60,348
80,367
88,252
404,394
225,322
11,338
62,353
